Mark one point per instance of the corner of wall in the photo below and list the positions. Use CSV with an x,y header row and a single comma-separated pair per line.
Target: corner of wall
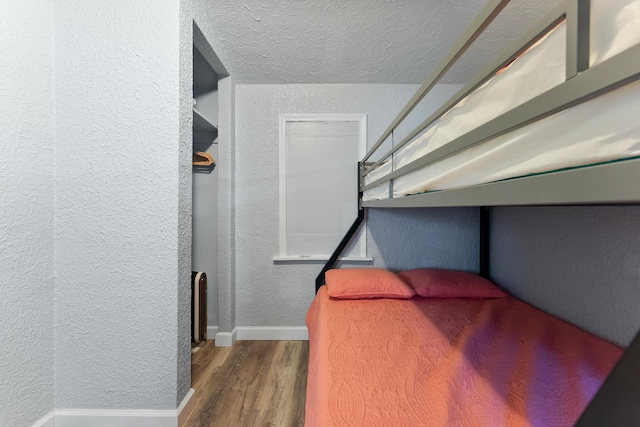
x,y
27,212
226,339
227,208
579,263
184,201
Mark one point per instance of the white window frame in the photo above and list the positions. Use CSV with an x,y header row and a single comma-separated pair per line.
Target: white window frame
x,y
362,147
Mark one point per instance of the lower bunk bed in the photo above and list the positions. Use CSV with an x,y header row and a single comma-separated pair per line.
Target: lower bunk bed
x,y
432,347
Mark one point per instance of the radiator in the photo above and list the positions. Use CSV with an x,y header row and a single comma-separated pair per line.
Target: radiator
x,y
198,306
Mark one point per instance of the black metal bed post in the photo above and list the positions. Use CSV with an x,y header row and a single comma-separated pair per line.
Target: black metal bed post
x,y
485,237
616,403
347,237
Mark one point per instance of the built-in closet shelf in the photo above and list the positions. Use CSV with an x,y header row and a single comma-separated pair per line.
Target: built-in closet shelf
x,y
203,162
204,169
202,124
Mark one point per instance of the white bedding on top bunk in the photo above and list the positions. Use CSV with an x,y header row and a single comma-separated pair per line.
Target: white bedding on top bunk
x,y
600,130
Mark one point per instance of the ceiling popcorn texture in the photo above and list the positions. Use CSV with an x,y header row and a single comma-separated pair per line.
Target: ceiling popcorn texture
x,y
379,41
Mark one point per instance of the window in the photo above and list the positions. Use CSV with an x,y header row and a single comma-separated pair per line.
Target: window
x,y
319,185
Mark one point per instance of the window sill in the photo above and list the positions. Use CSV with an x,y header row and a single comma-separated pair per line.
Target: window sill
x,y
317,258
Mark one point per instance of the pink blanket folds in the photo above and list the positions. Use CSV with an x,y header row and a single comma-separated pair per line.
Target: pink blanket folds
x,y
448,362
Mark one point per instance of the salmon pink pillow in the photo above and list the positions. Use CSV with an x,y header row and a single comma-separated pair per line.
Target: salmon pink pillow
x,y
438,283
361,283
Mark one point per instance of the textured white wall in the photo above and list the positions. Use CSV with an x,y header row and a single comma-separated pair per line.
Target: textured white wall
x,y
26,212
227,205
578,263
271,294
123,196
185,149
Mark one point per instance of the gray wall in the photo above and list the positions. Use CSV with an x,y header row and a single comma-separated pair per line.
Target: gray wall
x,y
579,263
123,205
271,294
401,239
26,212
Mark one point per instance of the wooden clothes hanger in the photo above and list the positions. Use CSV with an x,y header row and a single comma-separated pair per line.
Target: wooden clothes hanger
x,y
201,158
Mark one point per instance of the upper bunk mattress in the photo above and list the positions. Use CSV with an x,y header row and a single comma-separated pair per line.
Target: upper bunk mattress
x,y
448,362
601,130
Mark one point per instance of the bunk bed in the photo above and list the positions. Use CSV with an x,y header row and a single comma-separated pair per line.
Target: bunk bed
x,y
569,136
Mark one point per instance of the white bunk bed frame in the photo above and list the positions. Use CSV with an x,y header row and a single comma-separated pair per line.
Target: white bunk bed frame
x,y
602,184
613,183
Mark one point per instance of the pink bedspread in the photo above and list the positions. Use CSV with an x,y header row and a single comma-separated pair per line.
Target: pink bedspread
x,y
453,362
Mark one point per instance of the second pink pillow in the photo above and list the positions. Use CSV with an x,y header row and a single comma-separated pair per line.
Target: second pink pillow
x,y
439,283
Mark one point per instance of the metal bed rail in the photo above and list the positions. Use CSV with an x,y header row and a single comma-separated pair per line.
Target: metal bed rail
x,y
333,259
582,84
477,26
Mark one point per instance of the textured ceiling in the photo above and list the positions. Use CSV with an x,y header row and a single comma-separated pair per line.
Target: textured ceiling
x,y
357,41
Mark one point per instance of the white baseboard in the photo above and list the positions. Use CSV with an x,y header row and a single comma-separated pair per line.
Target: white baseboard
x,y
273,333
186,407
120,418
226,339
211,332
124,418
261,333
46,421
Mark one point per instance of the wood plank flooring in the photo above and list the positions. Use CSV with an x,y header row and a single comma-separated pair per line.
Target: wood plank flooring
x,y
252,384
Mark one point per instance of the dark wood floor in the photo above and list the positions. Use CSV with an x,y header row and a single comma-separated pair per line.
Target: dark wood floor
x,y
253,384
